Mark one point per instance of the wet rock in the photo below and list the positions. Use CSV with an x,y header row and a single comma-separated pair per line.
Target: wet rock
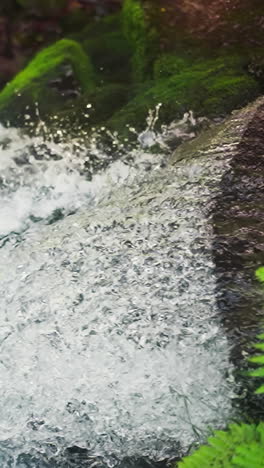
x,y
237,215
41,88
210,88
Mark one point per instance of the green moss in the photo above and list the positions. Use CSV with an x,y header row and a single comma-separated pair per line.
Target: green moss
x,y
91,109
140,38
95,29
209,88
110,52
111,56
30,85
168,65
229,93
104,100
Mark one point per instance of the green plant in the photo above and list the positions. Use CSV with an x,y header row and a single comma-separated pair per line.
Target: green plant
x,y
241,446
260,274
135,31
167,65
210,88
260,361
47,61
31,85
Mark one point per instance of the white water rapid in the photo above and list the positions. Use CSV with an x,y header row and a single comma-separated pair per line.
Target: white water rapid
x,y
110,336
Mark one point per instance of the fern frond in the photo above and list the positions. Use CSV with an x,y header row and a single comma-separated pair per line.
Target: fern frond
x,y
259,346
260,361
260,274
257,359
261,337
242,446
260,390
249,456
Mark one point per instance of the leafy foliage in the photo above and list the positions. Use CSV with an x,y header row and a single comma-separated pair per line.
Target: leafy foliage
x,y
260,274
259,360
242,446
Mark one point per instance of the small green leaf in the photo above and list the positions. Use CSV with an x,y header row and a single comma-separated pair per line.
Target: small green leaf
x,y
261,337
257,373
259,346
260,390
257,359
260,274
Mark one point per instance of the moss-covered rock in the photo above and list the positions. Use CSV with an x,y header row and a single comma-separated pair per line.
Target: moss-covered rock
x,y
94,107
210,88
33,84
135,31
141,38
167,65
110,54
129,76
95,29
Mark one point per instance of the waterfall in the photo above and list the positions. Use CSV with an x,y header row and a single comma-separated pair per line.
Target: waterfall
x,y
112,348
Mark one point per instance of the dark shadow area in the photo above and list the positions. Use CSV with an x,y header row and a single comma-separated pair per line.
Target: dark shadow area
x,y
77,457
238,250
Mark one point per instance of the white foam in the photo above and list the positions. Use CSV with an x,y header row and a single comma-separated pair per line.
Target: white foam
x,y
108,330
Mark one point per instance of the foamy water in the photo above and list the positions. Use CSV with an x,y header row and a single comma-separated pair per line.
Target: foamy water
x,y
109,331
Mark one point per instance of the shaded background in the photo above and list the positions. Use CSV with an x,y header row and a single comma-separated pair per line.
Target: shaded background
x,y
28,25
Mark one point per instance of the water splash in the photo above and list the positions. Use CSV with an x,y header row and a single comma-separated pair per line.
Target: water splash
x,y
109,332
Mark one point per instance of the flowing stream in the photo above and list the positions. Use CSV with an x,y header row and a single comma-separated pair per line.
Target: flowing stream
x,y
112,349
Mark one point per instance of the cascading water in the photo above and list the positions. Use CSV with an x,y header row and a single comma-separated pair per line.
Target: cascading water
x,y
110,336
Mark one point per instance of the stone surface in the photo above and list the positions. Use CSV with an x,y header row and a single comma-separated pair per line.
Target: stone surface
x,y
237,214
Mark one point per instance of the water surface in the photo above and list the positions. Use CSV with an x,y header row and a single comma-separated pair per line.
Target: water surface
x,y
112,348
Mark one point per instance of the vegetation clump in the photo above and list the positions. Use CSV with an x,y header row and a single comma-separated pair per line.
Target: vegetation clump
x,y
30,85
209,87
122,52
140,38
242,445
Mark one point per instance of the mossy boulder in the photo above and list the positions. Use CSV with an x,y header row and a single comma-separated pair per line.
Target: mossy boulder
x,y
167,65
209,88
110,53
93,108
129,76
35,83
106,100
95,29
140,37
